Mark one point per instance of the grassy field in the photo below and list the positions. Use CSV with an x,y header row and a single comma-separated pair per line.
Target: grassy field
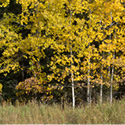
x,y
33,113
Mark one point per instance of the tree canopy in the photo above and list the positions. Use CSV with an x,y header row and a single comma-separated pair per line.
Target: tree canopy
x,y
48,47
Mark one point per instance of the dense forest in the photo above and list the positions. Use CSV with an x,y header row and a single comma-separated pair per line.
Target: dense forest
x,y
66,51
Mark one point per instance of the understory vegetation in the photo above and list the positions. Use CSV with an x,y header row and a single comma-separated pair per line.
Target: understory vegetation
x,y
34,113
67,52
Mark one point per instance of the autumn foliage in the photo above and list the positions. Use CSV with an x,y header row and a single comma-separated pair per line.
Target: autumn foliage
x,y
58,43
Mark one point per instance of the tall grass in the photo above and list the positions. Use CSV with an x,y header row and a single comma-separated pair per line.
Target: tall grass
x,y
32,113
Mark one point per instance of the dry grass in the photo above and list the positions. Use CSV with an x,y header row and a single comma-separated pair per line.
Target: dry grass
x,y
33,113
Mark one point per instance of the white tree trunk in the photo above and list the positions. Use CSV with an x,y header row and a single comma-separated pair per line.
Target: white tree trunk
x,y
112,73
72,75
88,86
101,86
88,82
73,89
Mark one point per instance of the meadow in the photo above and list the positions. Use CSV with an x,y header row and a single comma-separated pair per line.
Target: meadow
x,y
33,113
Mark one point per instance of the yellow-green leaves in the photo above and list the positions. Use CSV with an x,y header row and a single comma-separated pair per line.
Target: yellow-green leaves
x,y
4,3
1,86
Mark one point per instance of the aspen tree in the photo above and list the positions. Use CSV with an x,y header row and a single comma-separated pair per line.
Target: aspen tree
x,y
72,75
80,35
101,86
110,37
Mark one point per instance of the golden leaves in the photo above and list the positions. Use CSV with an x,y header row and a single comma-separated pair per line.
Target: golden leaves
x,y
4,3
1,86
69,36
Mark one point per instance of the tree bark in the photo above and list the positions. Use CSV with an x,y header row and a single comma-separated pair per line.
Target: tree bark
x,y
112,76
88,82
72,75
112,73
101,86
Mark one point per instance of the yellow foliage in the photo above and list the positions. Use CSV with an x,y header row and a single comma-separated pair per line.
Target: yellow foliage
x,y
1,86
71,28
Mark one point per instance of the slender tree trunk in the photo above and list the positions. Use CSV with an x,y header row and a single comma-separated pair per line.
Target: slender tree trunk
x,y
101,86
72,75
112,73
73,89
112,76
88,82
88,88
